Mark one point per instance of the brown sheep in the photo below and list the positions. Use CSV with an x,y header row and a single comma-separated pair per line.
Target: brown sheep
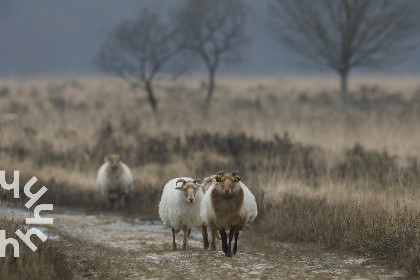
x,y
228,205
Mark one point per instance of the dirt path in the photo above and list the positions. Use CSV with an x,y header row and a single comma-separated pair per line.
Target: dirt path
x,y
108,247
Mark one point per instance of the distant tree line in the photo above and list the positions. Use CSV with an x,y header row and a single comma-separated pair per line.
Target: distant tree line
x,y
336,34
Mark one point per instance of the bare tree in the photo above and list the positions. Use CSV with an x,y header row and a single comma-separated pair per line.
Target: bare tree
x,y
213,30
344,34
137,49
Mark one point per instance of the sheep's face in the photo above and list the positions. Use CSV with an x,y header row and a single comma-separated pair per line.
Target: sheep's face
x,y
114,161
208,181
189,189
226,182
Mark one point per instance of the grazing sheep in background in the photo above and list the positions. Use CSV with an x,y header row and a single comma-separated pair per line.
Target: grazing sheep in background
x,y
179,208
114,180
228,205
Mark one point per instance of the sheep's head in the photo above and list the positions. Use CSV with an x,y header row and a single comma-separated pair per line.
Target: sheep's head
x,y
189,188
113,160
227,181
208,181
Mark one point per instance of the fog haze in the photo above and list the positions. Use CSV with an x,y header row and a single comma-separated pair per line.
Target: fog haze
x,y
61,38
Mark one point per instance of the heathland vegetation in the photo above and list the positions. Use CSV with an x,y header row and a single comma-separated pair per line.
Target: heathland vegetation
x,y
346,180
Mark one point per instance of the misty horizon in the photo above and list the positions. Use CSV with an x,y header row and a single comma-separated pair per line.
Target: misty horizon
x,y
50,39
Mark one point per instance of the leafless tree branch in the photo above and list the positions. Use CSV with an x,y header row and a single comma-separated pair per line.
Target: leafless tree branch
x,y
344,34
213,30
137,49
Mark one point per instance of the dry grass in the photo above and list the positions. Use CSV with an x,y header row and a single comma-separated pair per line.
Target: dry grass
x,y
71,112
47,262
361,225
346,180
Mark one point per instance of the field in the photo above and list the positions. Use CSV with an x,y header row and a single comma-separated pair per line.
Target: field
x,y
340,180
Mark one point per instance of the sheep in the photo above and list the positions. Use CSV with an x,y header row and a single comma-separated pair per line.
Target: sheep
x,y
114,180
208,181
179,208
228,205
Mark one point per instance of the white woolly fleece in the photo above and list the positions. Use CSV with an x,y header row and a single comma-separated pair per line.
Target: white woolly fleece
x,y
249,200
175,211
107,183
249,207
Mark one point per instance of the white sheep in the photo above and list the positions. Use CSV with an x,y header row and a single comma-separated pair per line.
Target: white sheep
x,y
228,205
114,180
179,208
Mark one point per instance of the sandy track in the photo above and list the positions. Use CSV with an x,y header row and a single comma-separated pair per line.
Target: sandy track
x,y
107,247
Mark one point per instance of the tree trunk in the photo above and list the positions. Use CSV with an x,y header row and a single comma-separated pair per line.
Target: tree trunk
x,y
151,96
210,89
343,90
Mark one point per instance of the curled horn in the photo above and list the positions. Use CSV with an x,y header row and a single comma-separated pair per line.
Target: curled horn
x,y
219,176
235,174
180,180
197,181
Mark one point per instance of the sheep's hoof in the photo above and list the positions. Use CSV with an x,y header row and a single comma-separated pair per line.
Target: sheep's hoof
x,y
228,254
213,248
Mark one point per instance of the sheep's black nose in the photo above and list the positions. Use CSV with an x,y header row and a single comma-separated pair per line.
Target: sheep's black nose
x,y
191,199
226,192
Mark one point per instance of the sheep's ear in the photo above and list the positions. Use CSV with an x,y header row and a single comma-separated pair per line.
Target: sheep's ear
x,y
108,157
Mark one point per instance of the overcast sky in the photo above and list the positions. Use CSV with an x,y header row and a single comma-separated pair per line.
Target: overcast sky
x,y
55,38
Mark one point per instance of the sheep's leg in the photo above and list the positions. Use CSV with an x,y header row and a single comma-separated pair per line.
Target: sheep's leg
x,y
224,240
173,238
213,239
235,246
186,234
122,201
110,204
229,250
118,202
113,201
218,236
189,232
205,237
